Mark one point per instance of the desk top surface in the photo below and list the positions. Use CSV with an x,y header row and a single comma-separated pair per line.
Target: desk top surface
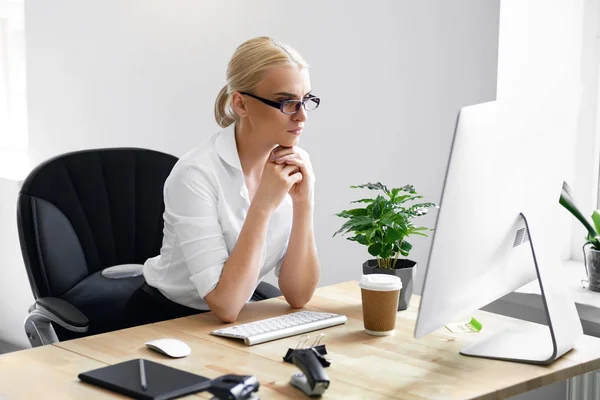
x,y
363,366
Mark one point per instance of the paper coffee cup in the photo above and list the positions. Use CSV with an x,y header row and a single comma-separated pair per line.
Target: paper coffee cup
x,y
380,294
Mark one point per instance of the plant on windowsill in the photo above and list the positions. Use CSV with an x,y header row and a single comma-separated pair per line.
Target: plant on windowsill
x,y
591,247
384,226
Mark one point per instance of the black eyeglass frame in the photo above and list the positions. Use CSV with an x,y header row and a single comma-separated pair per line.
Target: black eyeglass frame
x,y
281,104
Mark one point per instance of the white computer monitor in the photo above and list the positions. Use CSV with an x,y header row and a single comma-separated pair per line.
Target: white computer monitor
x,y
497,223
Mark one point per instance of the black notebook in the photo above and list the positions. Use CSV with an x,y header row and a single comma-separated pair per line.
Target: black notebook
x,y
162,382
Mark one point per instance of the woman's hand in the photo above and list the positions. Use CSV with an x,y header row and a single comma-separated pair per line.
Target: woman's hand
x,y
301,192
276,181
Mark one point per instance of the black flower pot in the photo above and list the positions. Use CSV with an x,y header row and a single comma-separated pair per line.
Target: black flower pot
x,y
405,270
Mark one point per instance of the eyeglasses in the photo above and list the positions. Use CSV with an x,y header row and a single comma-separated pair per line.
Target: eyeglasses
x,y
290,106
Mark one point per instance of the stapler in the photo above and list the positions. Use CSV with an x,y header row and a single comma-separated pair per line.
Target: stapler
x,y
234,387
313,380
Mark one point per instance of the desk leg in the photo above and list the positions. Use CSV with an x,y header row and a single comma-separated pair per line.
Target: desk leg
x,y
584,387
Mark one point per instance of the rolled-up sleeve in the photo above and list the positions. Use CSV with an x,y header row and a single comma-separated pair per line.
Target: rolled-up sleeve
x,y
191,204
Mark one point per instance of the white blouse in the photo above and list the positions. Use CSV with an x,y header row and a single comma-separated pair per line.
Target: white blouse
x,y
206,203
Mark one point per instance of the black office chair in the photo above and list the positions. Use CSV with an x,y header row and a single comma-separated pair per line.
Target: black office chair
x,y
78,214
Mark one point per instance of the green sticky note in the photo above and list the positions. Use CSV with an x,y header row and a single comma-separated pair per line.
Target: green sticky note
x,y
466,326
476,325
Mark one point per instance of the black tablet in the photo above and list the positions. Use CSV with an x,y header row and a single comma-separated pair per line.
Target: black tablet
x,y
161,381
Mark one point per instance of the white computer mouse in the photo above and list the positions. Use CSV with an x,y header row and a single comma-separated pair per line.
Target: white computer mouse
x,y
171,347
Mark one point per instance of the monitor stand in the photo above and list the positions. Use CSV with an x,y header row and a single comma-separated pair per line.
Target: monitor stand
x,y
533,343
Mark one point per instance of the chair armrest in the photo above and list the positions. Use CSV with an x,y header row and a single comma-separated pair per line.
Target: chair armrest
x,y
38,325
266,291
63,313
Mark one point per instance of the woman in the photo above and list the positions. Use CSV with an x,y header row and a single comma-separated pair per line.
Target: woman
x,y
241,204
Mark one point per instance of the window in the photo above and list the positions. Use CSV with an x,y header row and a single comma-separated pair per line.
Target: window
x,y
13,110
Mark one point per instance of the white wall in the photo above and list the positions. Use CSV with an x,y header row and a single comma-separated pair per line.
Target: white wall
x,y
392,76
15,293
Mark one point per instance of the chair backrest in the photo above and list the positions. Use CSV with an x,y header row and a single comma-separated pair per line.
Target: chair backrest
x,y
81,212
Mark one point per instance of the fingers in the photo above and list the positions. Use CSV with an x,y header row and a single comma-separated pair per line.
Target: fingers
x,y
286,158
291,174
290,169
294,161
281,151
289,165
298,163
295,178
280,147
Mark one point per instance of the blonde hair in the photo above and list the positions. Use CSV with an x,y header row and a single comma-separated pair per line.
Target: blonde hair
x,y
246,70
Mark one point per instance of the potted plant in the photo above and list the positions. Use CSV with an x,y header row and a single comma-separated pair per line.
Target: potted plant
x,y
384,226
591,247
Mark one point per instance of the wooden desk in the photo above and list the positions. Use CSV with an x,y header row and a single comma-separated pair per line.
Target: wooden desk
x,y
363,366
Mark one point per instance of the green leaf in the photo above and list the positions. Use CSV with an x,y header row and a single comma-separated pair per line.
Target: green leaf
x,y
566,189
363,201
594,241
408,188
355,222
372,186
401,205
378,206
370,234
405,246
393,235
567,202
394,218
413,230
361,220
394,193
423,205
375,249
386,205
385,250
376,209
596,219
420,209
404,198
362,239
363,229
386,216
352,213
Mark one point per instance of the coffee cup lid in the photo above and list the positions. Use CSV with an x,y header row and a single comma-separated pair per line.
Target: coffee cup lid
x,y
380,282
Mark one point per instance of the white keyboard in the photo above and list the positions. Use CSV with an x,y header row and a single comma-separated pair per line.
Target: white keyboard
x,y
283,326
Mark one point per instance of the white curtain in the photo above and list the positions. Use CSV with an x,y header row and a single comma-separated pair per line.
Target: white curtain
x,y
13,111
